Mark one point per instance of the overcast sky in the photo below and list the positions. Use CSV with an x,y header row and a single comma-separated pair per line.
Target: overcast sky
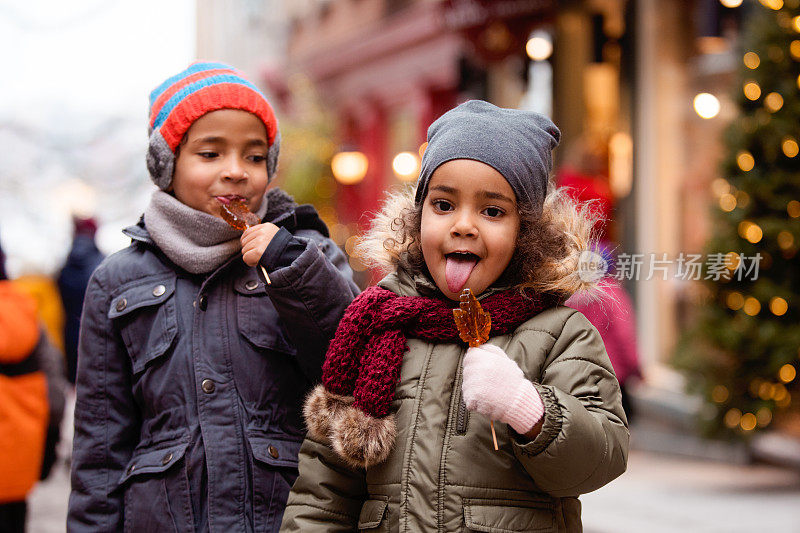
x,y
101,55
70,66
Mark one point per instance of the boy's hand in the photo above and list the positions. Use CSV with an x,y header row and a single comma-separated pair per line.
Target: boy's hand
x,y
495,386
255,240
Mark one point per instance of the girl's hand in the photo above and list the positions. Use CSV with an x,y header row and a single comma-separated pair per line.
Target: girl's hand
x,y
495,387
255,240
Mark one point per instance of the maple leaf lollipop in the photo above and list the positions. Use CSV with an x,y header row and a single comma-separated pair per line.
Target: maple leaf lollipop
x,y
235,212
474,325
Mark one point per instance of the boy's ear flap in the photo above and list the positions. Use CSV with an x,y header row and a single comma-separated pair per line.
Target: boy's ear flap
x,y
160,161
272,156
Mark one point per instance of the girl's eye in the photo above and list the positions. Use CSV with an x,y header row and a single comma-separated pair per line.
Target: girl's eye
x,y
258,158
208,155
493,212
442,205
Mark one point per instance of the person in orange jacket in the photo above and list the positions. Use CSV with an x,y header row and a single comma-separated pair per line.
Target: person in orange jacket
x,y
24,407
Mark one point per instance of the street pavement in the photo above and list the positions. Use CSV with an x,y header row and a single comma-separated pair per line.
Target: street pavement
x,y
658,494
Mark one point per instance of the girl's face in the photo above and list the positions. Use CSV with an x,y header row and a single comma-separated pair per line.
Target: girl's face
x,y
224,154
469,226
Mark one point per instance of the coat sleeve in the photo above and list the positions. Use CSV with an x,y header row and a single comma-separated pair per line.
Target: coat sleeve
x,y
327,496
310,295
583,443
107,420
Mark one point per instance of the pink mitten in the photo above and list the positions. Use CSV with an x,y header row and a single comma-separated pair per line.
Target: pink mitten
x,y
495,387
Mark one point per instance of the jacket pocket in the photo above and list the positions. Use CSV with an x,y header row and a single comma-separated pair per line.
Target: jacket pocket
x,y
157,494
274,473
503,516
258,319
146,317
372,513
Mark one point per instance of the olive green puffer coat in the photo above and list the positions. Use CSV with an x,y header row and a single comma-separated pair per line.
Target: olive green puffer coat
x,y
443,474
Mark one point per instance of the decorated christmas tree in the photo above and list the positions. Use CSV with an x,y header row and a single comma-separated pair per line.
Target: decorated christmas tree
x,y
744,352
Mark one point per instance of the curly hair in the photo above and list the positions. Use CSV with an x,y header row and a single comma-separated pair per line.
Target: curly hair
x,y
546,256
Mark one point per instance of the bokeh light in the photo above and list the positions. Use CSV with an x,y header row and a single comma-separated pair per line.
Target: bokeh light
x,y
539,48
752,90
793,208
751,60
785,239
349,167
787,373
406,166
745,161
773,102
735,300
778,306
706,105
752,306
789,147
727,202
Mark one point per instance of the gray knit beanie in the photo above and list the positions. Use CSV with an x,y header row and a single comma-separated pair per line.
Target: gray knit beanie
x,y
516,143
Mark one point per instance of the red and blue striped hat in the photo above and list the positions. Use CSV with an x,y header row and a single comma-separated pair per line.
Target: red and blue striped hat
x,y
190,94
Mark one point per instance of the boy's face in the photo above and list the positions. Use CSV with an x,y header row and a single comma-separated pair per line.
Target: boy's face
x,y
224,153
469,226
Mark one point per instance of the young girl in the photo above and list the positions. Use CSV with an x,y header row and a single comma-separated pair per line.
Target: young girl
x,y
399,433
192,370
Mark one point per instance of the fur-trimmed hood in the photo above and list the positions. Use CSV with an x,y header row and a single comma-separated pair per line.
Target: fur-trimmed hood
x,y
577,271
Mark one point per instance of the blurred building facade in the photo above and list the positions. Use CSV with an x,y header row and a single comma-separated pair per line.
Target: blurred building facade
x,y
619,79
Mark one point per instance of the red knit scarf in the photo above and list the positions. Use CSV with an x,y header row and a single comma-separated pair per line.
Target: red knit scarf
x,y
364,358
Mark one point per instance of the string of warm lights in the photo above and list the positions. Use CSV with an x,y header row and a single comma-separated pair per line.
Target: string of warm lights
x,y
767,102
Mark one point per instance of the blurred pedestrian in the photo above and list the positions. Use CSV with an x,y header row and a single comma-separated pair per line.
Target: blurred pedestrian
x,y
83,258
23,406
613,314
49,309
193,364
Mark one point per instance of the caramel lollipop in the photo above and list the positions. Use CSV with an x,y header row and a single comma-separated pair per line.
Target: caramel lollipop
x,y
473,325
238,216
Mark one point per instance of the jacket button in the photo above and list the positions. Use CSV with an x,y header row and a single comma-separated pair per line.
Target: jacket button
x,y
131,469
251,285
273,451
208,386
203,302
167,458
159,290
122,304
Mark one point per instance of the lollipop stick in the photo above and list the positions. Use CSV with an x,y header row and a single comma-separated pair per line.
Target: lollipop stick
x,y
494,437
266,276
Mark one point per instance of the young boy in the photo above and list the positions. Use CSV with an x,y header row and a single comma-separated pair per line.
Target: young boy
x,y
192,370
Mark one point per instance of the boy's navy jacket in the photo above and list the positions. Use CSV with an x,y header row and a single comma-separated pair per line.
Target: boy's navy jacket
x,y
190,387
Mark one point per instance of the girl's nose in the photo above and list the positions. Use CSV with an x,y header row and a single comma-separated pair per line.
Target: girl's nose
x,y
463,226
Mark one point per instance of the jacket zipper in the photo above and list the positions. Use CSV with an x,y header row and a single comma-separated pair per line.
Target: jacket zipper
x,y
462,415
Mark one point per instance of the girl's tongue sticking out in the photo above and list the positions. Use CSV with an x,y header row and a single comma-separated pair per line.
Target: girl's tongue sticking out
x,y
458,269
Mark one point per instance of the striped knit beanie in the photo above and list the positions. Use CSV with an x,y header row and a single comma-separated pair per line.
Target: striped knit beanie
x,y
190,94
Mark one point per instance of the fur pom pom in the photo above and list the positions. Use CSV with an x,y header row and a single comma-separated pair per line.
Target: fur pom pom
x,y
321,409
362,440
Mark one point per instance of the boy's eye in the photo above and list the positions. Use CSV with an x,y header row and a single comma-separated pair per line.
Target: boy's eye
x,y
442,205
493,212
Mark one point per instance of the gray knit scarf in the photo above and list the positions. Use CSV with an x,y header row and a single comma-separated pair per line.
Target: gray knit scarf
x,y
193,240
